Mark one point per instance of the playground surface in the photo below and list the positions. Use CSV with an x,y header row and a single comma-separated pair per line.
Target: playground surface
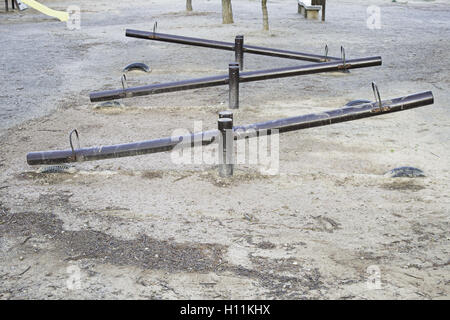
x,y
145,228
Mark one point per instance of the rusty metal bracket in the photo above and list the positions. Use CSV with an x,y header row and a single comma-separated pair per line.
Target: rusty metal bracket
x,y
380,107
155,26
344,68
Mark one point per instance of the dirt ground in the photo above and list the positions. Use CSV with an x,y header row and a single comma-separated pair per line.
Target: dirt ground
x,y
145,228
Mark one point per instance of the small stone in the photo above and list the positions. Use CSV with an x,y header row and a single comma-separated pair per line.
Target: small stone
x,y
109,104
57,169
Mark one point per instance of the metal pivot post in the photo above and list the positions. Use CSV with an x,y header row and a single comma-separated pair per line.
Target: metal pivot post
x,y
239,51
233,70
226,147
6,6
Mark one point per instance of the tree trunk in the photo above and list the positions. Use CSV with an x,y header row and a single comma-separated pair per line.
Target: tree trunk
x,y
189,5
227,12
265,15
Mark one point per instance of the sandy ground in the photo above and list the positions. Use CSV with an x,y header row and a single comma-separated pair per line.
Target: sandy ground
x,y
146,228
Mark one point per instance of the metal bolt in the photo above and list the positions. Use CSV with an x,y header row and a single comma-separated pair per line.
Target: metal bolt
x,y
226,114
226,147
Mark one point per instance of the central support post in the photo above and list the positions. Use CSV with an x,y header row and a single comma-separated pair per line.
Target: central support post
x,y
239,51
233,70
226,146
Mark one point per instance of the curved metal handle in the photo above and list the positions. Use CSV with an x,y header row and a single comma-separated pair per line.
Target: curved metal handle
x,y
124,82
343,56
74,154
376,93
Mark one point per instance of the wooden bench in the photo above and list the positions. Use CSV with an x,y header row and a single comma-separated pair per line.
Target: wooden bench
x,y
310,9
